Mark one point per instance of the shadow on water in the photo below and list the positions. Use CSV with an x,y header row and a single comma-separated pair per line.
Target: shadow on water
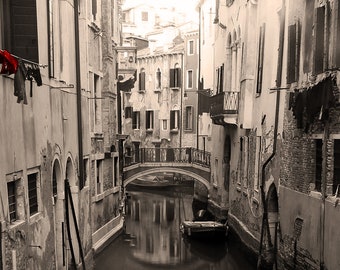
x,y
152,239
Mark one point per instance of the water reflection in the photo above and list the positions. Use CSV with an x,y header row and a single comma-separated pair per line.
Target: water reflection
x,y
153,241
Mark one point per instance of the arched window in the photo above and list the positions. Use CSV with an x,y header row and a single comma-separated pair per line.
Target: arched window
x,y
142,80
158,79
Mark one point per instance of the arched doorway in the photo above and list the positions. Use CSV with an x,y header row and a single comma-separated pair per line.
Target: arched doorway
x,y
58,213
273,212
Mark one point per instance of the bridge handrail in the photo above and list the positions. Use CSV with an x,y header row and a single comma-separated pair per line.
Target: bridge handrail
x,y
170,155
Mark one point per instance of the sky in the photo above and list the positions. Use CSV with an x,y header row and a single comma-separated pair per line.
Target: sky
x,y
187,6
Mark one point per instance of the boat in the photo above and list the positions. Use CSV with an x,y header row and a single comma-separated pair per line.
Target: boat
x,y
155,182
205,230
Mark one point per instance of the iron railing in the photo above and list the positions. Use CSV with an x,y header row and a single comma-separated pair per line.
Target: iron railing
x,y
224,103
169,155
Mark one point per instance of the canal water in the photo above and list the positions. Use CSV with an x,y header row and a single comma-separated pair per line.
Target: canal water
x,y
152,239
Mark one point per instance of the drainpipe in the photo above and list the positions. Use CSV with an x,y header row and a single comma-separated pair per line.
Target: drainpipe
x,y
199,79
79,109
265,224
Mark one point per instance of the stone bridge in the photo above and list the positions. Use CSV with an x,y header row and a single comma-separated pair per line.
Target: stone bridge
x,y
186,161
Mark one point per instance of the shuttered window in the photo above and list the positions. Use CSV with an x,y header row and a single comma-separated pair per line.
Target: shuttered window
x,y
128,112
293,61
11,186
21,28
174,119
188,118
50,39
149,119
175,77
308,33
190,79
319,40
337,33
142,81
260,59
158,79
136,120
318,164
221,78
33,193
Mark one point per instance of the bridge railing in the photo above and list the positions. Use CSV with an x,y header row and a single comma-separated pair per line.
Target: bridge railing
x,y
170,155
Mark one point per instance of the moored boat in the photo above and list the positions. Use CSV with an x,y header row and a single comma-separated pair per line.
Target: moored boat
x,y
209,230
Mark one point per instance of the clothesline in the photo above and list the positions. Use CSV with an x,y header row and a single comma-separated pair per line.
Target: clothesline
x,y
28,61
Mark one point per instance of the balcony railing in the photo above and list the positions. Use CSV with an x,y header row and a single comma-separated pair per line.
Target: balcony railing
x,y
170,155
224,103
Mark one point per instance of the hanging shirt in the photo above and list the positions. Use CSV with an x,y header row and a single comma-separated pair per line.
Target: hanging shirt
x,y
9,63
19,83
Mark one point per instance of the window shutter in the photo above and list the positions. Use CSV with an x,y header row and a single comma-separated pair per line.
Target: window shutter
x,y
291,53
142,81
337,25
135,120
147,120
172,77
24,37
297,50
221,78
308,25
179,78
218,80
178,120
319,39
159,77
172,119
260,59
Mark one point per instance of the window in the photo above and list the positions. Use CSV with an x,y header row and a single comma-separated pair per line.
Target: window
x,y
12,202
318,164
149,120
220,78
336,175
293,61
189,79
136,120
175,77
86,171
190,47
99,176
260,59
94,9
188,118
158,79
174,119
165,124
50,39
21,38
115,171
32,193
145,16
54,185
319,48
128,112
142,80
95,84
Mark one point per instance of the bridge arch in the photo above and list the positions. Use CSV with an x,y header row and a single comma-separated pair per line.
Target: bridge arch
x,y
169,170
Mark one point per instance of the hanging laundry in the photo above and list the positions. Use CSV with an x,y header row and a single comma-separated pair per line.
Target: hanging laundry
x,y
19,82
9,63
33,72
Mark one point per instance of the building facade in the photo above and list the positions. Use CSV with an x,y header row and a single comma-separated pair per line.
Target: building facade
x,y
60,183
274,111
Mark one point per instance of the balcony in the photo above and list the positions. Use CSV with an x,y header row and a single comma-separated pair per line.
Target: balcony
x,y
224,108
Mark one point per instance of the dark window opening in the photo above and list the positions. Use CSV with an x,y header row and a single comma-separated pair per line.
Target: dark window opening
x,y
33,193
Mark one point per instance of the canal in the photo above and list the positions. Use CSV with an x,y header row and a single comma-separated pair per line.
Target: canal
x,y
152,239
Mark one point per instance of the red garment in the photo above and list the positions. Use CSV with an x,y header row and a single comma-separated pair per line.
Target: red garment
x,y
9,63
